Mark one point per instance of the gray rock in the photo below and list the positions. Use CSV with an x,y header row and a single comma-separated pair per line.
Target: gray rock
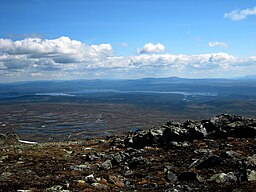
x,y
106,165
230,154
251,175
207,161
5,175
4,158
203,151
128,173
129,184
3,138
150,137
90,179
177,145
223,177
116,159
174,134
81,167
8,138
180,188
197,133
170,176
55,188
250,162
99,186
225,125
92,156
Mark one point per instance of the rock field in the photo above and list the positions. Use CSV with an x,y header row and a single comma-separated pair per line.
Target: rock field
x,y
218,154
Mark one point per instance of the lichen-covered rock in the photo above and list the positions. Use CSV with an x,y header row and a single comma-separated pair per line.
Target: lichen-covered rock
x,y
251,175
223,177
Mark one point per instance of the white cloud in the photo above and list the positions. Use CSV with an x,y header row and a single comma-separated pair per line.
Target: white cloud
x,y
66,58
151,48
218,44
62,50
237,15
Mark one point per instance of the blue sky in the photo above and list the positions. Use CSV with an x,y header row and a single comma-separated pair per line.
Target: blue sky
x,y
74,39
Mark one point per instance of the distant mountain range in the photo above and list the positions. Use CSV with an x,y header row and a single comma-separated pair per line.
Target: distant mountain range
x,y
242,86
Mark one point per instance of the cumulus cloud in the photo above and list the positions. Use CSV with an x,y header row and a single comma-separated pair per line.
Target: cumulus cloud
x,y
237,15
151,48
62,50
218,44
67,58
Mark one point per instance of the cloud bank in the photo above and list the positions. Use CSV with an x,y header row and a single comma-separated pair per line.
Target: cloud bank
x,y
237,15
70,59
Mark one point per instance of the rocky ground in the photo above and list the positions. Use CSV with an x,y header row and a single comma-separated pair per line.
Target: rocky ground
x,y
209,155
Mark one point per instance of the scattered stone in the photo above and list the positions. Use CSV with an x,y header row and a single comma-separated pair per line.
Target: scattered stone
x,y
116,159
81,167
92,156
4,158
99,186
55,188
90,179
204,151
170,176
5,175
180,188
224,164
250,162
9,138
106,165
230,154
128,173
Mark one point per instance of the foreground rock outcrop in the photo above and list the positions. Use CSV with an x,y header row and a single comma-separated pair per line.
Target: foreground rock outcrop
x,y
218,127
218,154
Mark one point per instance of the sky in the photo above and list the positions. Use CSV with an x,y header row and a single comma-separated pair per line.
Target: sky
x,y
126,39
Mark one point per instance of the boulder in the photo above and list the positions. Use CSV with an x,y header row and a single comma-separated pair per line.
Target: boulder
x,y
150,137
206,161
197,133
226,125
171,134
